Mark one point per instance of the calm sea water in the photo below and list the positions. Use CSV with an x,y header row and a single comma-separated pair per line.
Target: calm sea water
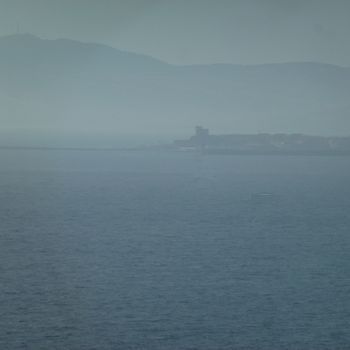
x,y
132,250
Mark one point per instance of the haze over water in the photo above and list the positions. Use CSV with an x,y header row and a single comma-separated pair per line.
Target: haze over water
x,y
151,250
114,237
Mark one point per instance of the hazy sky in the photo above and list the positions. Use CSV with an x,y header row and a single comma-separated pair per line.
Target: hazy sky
x,y
194,31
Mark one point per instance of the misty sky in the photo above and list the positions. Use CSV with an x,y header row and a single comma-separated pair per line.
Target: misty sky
x,y
194,31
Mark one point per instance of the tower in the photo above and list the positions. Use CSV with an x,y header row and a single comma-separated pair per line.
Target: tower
x,y
201,136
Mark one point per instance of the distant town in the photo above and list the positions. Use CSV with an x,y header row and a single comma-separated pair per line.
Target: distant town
x,y
204,142
265,144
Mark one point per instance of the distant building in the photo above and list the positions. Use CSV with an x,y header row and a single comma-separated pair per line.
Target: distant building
x,y
201,137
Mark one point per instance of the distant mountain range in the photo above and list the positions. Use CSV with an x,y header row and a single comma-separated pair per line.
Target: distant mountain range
x,y
68,85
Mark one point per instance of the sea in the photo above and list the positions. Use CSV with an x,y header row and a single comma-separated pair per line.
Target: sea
x,y
173,250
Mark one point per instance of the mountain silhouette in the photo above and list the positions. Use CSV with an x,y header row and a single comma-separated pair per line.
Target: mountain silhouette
x,y
68,85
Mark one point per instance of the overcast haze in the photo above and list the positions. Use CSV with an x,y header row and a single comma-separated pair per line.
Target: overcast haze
x,y
174,174
194,31
160,79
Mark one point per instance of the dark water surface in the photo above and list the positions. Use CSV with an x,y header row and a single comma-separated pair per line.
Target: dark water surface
x,y
123,250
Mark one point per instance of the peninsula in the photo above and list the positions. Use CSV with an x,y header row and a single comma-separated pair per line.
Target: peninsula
x,y
263,144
